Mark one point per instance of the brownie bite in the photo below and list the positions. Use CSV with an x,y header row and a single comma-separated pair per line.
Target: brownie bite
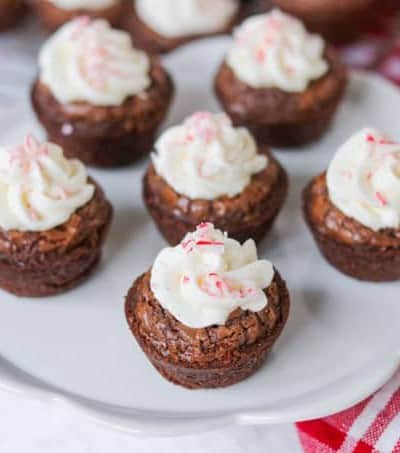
x,y
208,311
206,170
281,82
106,100
53,220
55,13
353,210
337,20
159,27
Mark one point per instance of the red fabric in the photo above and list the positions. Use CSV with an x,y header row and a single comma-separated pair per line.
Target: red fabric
x,y
372,426
379,48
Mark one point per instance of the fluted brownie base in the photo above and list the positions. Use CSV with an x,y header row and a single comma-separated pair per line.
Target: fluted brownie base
x,y
291,135
337,21
103,151
279,118
106,136
250,214
350,247
210,357
37,264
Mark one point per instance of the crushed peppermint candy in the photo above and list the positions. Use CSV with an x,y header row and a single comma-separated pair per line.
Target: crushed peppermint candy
x,y
202,237
201,127
30,150
215,285
381,198
204,288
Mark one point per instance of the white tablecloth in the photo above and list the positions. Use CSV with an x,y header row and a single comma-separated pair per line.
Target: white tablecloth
x,y
31,427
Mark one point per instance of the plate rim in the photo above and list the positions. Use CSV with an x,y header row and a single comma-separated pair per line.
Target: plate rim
x,y
317,403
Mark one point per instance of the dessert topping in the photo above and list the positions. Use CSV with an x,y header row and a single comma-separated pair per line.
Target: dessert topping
x,y
364,180
275,50
206,157
177,18
86,60
208,276
39,187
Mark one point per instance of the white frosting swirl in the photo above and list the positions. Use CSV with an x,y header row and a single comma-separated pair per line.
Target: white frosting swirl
x,y
176,18
206,157
208,276
39,187
275,50
363,180
89,61
71,5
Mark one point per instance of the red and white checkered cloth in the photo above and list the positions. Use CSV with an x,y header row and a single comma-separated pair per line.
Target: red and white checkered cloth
x,y
379,48
372,426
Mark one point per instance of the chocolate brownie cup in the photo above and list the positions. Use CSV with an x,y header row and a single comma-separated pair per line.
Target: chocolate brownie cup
x,y
208,311
11,11
53,220
106,100
205,170
279,81
159,27
337,20
55,13
353,210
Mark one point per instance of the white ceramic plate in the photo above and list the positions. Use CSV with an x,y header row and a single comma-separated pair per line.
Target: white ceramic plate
x,y
341,343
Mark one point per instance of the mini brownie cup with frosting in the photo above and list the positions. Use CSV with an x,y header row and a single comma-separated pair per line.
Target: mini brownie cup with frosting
x,y
161,26
11,11
98,97
353,210
208,311
53,220
54,13
206,170
336,20
279,81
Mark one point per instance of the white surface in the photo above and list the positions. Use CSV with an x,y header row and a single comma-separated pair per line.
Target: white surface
x,y
32,427
342,340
